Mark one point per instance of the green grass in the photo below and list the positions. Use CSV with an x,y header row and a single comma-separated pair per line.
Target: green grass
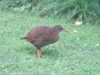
x,y
69,56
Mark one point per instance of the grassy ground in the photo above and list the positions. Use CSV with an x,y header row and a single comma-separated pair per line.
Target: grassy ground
x,y
76,53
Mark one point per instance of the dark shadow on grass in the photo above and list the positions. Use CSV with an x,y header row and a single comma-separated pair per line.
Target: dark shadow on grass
x,y
50,53
47,53
31,50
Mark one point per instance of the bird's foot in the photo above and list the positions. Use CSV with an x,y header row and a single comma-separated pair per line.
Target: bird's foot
x,y
39,53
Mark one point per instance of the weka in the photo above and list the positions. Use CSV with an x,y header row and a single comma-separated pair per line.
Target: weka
x,y
43,35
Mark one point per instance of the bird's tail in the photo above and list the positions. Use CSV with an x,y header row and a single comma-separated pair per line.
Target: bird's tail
x,y
24,38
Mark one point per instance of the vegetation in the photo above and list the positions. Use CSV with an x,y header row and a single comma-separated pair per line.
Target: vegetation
x,y
76,53
87,10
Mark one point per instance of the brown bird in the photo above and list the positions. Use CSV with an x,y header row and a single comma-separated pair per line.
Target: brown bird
x,y
43,35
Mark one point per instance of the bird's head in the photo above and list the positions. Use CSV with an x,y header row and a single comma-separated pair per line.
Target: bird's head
x,y
59,29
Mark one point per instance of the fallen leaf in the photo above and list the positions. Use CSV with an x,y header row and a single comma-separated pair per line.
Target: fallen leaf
x,y
78,38
85,45
75,31
78,22
97,45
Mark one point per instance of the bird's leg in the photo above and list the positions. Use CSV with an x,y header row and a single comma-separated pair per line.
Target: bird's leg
x,y
39,53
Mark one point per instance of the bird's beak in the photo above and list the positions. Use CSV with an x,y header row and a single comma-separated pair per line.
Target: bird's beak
x,y
64,30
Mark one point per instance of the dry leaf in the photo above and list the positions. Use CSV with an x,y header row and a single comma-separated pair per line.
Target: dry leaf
x,y
75,31
77,23
97,45
78,38
85,45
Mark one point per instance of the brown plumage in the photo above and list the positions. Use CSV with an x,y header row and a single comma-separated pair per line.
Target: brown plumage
x,y
43,35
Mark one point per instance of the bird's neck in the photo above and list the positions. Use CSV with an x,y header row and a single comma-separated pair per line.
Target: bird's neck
x,y
54,31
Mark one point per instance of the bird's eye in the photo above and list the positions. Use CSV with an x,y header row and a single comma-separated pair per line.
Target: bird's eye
x,y
60,28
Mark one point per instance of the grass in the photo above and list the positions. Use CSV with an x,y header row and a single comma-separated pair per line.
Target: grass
x,y
73,54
